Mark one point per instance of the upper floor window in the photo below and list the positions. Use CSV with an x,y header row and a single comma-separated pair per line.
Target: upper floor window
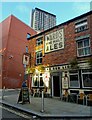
x,y
81,25
39,41
83,47
38,57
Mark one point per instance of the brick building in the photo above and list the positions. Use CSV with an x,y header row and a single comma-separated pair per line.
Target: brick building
x,y
65,51
14,44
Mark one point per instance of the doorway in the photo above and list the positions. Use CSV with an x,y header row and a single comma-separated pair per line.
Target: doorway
x,y
56,86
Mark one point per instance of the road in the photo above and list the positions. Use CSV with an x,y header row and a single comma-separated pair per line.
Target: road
x,y
9,113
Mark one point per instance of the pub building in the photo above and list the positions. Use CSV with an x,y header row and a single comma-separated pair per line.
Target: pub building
x,y
65,53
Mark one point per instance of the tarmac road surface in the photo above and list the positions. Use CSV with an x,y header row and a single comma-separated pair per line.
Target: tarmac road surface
x,y
11,114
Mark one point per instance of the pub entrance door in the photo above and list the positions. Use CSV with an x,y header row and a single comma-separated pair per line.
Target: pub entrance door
x,y
56,86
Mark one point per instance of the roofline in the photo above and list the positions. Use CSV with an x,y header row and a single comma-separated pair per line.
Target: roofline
x,y
71,20
11,15
45,12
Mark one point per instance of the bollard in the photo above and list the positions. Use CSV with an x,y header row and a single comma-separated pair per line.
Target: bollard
x,y
3,92
42,102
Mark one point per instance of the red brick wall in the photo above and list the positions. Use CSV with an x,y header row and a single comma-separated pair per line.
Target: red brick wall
x,y
69,52
15,45
32,48
63,56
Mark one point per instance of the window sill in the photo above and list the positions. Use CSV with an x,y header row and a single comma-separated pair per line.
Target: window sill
x,y
84,56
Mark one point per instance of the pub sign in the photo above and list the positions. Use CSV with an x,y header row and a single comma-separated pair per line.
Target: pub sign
x,y
54,41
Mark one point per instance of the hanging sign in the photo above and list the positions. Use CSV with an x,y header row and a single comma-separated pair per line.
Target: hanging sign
x,y
26,58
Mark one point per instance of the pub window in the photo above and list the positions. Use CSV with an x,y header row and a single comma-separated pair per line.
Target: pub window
x,y
83,47
81,25
74,79
37,81
38,57
41,83
87,78
39,41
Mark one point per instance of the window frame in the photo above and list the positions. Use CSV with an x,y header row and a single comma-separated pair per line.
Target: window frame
x,y
74,73
39,52
33,81
81,25
39,41
82,78
38,76
83,47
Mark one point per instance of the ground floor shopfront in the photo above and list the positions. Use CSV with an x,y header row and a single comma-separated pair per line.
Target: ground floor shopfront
x,y
57,79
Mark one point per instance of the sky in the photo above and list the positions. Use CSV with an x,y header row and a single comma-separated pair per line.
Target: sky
x,y
63,10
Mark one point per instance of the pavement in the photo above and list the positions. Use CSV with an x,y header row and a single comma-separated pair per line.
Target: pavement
x,y
53,107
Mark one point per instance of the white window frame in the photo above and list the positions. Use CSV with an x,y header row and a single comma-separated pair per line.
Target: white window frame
x,y
39,41
33,81
38,58
38,76
82,78
83,47
76,73
41,76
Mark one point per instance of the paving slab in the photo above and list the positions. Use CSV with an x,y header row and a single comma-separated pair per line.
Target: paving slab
x,y
53,107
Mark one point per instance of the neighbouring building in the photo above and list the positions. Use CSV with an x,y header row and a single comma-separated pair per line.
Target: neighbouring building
x,y
14,43
61,57
42,20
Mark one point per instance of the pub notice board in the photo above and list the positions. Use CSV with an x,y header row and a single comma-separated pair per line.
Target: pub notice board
x,y
24,95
